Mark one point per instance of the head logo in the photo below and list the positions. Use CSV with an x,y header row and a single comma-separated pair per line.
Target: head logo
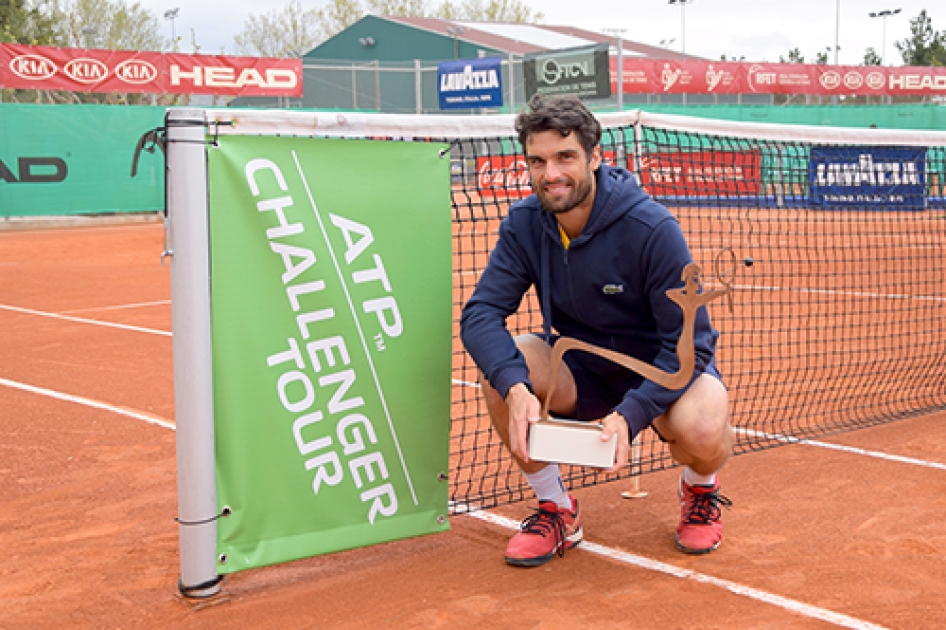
x,y
136,71
32,66
830,80
85,70
853,80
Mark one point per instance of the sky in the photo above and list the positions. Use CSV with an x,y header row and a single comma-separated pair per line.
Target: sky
x,y
760,30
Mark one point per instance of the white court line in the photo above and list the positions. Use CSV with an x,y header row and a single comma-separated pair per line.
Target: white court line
x,y
788,439
791,605
88,402
464,383
118,307
83,320
601,550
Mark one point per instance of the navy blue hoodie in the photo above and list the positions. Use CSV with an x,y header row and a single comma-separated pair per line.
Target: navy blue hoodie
x,y
608,288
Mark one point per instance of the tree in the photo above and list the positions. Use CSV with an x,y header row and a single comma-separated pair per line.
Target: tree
x,y
288,32
794,56
292,31
821,58
497,11
22,22
107,24
338,15
926,47
871,58
403,8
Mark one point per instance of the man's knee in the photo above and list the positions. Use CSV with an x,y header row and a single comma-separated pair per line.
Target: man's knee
x,y
699,418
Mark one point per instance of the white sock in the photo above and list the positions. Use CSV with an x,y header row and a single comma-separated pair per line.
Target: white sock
x,y
547,485
696,479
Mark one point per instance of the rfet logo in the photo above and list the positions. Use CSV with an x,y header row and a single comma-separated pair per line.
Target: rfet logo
x,y
760,77
32,67
136,71
86,70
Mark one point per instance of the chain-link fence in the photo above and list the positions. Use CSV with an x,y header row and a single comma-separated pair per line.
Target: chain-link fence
x,y
410,87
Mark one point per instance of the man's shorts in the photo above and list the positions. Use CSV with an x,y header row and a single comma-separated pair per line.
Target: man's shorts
x,y
601,383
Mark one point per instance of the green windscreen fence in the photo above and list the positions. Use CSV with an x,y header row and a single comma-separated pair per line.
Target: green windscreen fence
x,y
76,160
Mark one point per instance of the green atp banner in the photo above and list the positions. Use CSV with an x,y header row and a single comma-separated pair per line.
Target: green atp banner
x,y
331,312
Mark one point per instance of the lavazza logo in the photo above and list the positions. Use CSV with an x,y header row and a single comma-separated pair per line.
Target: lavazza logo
x,y
82,69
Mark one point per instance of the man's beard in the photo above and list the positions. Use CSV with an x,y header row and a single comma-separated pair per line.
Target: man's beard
x,y
579,193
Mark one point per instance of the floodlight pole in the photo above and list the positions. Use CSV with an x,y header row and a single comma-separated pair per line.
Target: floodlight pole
x,y
618,33
683,24
189,248
171,14
837,30
683,35
883,42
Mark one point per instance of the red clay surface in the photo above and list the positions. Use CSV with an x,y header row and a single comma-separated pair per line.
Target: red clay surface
x,y
89,499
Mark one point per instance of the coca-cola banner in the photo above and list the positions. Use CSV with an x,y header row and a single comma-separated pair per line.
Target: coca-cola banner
x,y
666,76
77,70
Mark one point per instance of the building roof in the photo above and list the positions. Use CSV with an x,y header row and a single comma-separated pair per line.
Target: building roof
x,y
520,38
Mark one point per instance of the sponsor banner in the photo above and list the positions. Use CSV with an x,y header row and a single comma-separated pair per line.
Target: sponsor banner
x,y
508,175
579,71
331,344
503,176
881,178
663,76
77,70
702,173
75,160
470,83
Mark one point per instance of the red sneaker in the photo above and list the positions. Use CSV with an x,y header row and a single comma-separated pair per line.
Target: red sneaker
x,y
548,531
701,526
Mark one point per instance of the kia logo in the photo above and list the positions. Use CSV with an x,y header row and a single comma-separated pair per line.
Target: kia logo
x,y
85,70
136,71
32,67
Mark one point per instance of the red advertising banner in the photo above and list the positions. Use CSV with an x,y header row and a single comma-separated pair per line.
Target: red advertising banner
x,y
77,70
666,76
503,176
508,175
702,173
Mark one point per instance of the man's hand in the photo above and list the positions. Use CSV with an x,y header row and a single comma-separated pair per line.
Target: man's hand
x,y
615,424
524,408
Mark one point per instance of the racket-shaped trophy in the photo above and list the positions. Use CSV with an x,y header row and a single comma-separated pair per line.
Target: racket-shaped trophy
x,y
579,443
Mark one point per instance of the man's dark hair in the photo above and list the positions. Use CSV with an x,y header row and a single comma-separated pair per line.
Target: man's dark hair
x,y
564,114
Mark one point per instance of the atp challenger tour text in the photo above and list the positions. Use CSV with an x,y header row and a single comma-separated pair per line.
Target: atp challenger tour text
x,y
326,434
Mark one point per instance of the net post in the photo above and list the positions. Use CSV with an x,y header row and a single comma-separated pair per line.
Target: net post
x,y
635,492
193,382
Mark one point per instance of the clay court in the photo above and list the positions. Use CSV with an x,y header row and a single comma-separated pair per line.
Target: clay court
x,y
844,531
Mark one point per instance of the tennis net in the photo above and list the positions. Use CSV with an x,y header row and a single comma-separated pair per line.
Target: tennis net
x,y
839,314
